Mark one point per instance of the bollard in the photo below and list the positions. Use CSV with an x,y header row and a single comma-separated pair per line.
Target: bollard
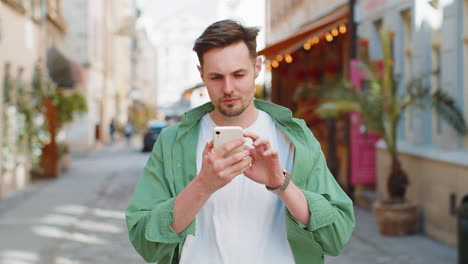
x,y
463,231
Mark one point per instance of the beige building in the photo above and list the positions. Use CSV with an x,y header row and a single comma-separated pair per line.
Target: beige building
x,y
100,40
26,34
145,70
429,35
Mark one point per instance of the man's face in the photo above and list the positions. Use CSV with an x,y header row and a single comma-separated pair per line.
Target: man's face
x,y
229,74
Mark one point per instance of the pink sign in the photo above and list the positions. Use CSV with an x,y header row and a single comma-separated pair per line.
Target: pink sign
x,y
362,143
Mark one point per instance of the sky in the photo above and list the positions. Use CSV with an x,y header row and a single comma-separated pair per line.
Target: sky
x,y
156,11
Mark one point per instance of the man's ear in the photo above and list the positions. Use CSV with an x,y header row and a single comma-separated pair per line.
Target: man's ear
x,y
258,66
200,70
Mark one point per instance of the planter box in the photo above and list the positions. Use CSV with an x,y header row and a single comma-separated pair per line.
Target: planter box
x,y
397,219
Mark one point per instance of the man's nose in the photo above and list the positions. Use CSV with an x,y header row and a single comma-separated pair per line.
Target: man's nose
x,y
228,86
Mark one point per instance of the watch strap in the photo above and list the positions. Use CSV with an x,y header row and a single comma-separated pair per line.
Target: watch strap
x,y
287,179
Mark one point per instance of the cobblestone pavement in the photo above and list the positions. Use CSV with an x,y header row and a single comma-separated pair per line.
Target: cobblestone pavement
x,y
79,218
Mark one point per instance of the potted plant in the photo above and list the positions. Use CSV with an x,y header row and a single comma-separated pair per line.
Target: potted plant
x,y
58,108
381,106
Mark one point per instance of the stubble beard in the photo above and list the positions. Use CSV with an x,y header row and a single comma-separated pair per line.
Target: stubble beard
x,y
234,110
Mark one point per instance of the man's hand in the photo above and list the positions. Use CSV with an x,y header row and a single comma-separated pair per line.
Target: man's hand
x,y
265,168
217,169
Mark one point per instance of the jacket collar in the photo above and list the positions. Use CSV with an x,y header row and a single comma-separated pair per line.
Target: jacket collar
x,y
281,115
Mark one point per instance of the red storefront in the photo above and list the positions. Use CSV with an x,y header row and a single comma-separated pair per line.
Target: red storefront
x,y
308,62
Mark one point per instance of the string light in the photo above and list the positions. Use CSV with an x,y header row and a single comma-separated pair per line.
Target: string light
x,y
279,58
329,36
315,40
342,28
275,64
335,32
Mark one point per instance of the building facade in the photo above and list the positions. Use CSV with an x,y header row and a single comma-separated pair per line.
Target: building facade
x,y
307,50
145,70
428,36
99,39
175,61
29,31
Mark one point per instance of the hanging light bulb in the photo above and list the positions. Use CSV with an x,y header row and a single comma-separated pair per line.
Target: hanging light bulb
x,y
288,58
329,37
335,32
279,58
307,46
275,64
316,40
342,28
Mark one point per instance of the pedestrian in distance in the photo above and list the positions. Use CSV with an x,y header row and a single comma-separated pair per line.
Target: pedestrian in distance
x,y
112,130
275,201
128,131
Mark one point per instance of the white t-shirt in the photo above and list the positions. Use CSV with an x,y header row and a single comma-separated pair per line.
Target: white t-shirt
x,y
242,222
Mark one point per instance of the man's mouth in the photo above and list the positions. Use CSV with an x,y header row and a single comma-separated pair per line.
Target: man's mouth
x,y
229,101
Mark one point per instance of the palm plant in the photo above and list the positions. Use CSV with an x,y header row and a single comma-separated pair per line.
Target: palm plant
x,y
381,106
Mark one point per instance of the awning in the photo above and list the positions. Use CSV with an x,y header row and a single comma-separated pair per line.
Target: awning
x,y
334,18
60,69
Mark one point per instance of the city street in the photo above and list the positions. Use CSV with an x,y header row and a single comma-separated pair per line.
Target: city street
x,y
79,218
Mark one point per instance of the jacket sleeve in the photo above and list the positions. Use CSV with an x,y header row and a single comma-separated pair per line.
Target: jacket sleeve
x,y
150,213
332,216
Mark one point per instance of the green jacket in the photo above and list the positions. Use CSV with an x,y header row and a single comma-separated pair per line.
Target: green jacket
x,y
172,165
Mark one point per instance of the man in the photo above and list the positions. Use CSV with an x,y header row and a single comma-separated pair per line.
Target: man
x,y
274,202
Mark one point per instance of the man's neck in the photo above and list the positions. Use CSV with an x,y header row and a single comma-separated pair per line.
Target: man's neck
x,y
244,120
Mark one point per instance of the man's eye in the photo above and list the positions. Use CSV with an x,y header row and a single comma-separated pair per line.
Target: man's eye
x,y
239,75
215,78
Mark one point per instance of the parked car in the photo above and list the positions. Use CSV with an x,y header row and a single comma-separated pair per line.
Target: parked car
x,y
152,133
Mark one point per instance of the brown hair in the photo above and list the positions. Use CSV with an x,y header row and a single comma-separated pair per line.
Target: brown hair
x,y
224,33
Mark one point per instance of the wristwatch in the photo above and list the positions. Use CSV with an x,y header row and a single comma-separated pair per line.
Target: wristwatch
x,y
287,179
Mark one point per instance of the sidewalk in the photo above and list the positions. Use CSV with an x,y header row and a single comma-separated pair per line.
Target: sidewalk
x,y
78,218
367,246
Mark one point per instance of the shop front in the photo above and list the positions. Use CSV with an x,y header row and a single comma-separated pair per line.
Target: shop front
x,y
303,67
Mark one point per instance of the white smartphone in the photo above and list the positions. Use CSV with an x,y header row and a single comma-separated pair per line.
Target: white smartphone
x,y
225,134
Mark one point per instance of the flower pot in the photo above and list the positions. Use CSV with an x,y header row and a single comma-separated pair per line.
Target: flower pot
x,y
397,219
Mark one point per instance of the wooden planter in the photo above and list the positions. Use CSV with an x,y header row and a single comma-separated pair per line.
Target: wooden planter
x,y
397,219
49,158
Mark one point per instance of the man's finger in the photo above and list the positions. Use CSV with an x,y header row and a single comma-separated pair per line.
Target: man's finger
x,y
237,157
251,135
262,141
228,147
239,167
208,148
270,153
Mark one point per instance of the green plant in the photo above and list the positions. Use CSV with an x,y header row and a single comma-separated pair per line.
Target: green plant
x,y
30,106
67,105
381,106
